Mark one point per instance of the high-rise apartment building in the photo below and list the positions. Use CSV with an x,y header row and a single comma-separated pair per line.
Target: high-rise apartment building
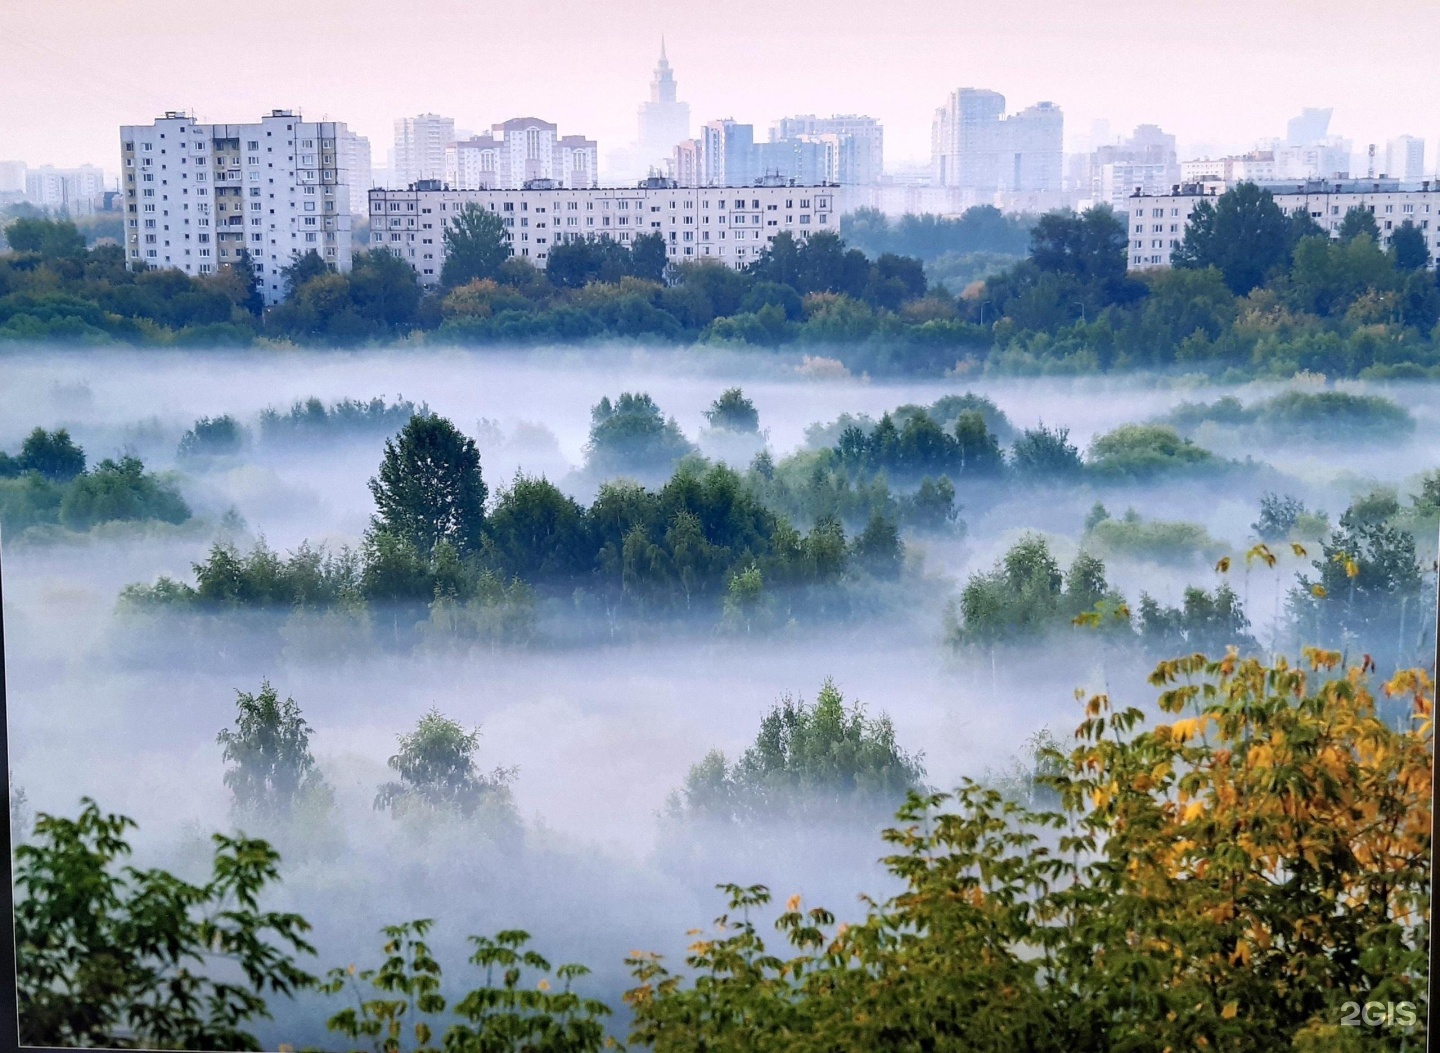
x,y
12,177
354,151
519,151
727,154
420,144
73,191
1405,158
197,195
1147,161
975,146
854,145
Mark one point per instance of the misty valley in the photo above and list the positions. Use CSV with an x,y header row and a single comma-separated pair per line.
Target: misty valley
x,y
560,639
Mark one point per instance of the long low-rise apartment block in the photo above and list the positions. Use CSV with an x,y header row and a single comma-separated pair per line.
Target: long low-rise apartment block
x,y
729,225
1157,222
197,195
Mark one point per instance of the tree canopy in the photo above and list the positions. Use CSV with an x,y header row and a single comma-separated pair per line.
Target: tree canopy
x,y
430,488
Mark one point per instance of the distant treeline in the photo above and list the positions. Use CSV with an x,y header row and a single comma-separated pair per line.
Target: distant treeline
x,y
1253,292
1361,585
437,557
47,484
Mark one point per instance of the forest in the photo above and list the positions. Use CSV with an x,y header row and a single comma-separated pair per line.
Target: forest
x,y
817,537
484,669
1253,293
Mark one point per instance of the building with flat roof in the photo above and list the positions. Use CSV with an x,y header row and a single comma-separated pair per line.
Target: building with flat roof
x,y
854,146
1157,222
517,151
197,195
729,225
975,146
420,144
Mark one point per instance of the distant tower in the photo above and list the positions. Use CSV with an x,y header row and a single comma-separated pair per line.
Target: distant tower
x,y
664,122
662,85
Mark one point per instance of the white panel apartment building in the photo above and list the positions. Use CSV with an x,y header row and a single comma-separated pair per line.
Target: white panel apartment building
x,y
195,194
420,144
516,151
1157,222
730,225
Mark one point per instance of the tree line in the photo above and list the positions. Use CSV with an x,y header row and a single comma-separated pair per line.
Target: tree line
x,y
47,484
1364,587
1252,292
702,544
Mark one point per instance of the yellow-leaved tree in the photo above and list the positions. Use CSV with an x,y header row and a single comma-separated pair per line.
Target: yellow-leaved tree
x,y
1230,880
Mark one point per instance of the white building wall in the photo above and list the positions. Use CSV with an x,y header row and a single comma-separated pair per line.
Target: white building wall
x,y
729,225
196,194
1157,222
1405,159
12,177
420,147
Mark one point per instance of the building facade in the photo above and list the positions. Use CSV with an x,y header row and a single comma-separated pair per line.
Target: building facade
x,y
420,144
854,145
1258,166
975,146
73,191
663,119
518,151
355,159
1405,159
1157,222
729,225
197,195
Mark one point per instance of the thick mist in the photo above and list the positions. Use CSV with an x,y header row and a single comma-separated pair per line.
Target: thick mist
x,y
601,731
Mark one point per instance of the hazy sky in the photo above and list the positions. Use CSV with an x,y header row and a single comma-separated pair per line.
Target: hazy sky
x,y
1219,73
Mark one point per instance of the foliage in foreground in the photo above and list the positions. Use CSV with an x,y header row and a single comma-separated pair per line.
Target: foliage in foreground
x,y
403,1001
116,955
1225,881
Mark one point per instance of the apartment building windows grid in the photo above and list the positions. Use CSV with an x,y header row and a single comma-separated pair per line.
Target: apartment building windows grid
x,y
670,209
189,198
1326,202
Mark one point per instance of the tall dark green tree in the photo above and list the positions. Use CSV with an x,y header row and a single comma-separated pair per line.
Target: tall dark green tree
x,y
1359,220
436,768
384,290
633,434
52,454
475,246
1244,234
732,411
647,257
1408,248
301,269
575,264
430,488
50,238
244,269
1090,247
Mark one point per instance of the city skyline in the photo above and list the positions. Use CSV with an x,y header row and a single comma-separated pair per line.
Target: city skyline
x,y
63,106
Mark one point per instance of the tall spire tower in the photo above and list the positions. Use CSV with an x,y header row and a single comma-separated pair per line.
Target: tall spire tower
x,y
662,85
664,121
